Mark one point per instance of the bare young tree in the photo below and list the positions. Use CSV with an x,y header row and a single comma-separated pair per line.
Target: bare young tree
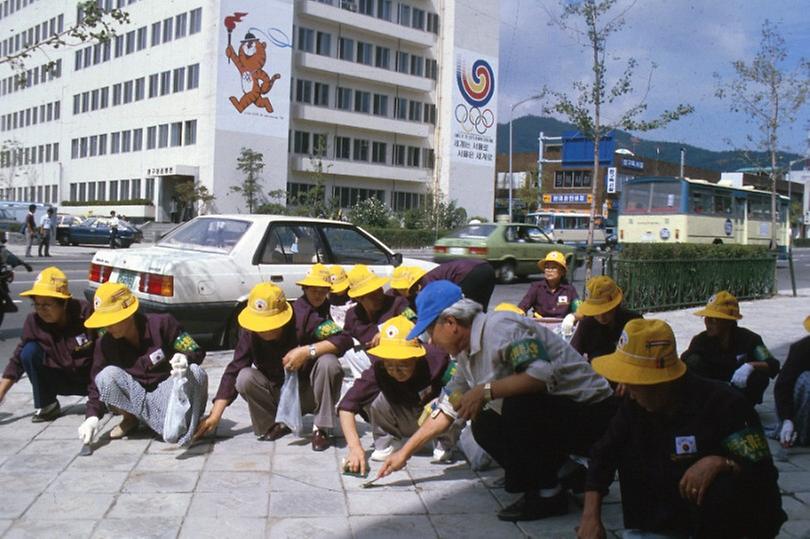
x,y
251,164
592,22
770,95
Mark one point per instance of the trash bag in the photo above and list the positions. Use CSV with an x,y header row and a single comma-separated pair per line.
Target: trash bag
x,y
289,404
476,456
175,424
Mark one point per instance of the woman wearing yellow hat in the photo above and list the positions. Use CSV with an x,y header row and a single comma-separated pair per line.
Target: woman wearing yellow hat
x,y
476,278
553,296
339,300
728,352
55,351
276,337
792,394
405,281
403,377
136,363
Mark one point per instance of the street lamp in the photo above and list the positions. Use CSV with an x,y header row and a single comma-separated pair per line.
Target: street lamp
x,y
511,114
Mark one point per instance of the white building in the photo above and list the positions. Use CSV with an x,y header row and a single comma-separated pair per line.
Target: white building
x,y
385,98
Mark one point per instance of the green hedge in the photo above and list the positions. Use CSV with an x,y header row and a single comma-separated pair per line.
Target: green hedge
x,y
128,202
666,251
801,242
403,238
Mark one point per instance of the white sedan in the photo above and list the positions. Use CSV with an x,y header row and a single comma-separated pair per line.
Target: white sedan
x,y
202,271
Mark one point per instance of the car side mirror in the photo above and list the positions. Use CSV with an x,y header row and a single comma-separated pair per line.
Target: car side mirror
x,y
397,259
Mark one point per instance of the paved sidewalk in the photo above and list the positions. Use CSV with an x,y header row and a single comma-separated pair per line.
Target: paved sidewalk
x,y
236,486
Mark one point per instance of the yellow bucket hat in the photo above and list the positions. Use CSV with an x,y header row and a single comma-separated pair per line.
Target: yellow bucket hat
x,y
393,341
338,279
51,282
404,277
721,305
807,323
510,307
113,303
318,276
645,355
363,281
601,295
267,309
554,256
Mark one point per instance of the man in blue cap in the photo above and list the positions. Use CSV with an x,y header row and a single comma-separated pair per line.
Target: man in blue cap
x,y
532,399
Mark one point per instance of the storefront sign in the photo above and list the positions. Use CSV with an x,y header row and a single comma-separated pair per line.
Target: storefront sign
x,y
567,198
634,164
611,179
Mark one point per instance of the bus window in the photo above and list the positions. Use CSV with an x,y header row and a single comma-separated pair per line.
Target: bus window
x,y
637,198
722,204
700,202
666,197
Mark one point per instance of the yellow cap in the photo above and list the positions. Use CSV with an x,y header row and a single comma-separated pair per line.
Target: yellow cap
x,y
318,276
807,323
51,282
553,256
404,277
645,355
363,281
393,344
511,307
601,295
113,303
338,279
267,309
721,305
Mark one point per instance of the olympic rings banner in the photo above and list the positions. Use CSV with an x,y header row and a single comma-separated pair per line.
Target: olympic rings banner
x,y
474,106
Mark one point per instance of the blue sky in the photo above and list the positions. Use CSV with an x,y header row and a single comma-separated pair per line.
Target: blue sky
x,y
687,40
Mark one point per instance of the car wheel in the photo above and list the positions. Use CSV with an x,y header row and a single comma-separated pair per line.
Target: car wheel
x,y
506,272
74,243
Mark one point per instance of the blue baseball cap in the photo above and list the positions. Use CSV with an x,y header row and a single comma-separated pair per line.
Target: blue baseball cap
x,y
431,301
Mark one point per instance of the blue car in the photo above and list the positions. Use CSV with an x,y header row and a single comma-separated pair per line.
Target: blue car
x,y
96,231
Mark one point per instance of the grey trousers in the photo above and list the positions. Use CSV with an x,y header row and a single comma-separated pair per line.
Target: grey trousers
x,y
390,421
319,385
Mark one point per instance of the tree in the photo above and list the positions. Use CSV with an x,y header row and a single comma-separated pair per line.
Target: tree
x,y
250,163
94,24
592,22
193,195
370,212
769,95
313,201
10,160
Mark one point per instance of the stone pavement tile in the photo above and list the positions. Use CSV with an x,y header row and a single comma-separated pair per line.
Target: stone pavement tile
x,y
237,503
307,528
154,462
159,447
564,525
138,528
796,528
244,443
25,480
88,481
225,482
65,506
48,447
305,459
38,462
161,482
785,466
795,509
140,504
310,503
45,529
305,480
21,429
794,481
294,445
126,446
59,432
9,447
4,525
472,526
452,501
103,461
385,502
222,462
16,502
391,527
398,481
216,528
803,497
802,461
441,477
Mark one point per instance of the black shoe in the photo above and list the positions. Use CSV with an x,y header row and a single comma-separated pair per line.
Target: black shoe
x,y
49,413
575,481
320,440
535,508
277,431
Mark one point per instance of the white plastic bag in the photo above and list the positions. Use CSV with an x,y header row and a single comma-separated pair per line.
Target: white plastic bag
x,y
175,424
476,456
289,404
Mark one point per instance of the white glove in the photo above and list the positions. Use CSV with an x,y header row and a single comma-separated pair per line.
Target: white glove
x,y
88,430
567,326
740,376
179,363
788,435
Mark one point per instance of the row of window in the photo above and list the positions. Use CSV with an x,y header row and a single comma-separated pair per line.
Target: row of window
x,y
177,27
160,84
157,136
126,189
572,178
406,15
350,196
44,153
33,35
31,116
31,77
363,150
10,6
349,99
362,52
43,194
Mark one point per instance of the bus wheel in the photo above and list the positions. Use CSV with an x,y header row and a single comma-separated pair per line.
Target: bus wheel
x,y
506,272
717,241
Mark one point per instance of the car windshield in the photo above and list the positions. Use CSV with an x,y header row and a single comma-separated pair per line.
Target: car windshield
x,y
473,231
211,235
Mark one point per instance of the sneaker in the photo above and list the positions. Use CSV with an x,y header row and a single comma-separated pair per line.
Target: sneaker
x,y
49,413
379,455
535,508
442,456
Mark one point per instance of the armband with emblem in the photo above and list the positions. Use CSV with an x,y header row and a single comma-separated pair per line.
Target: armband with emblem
x,y
409,314
326,329
761,353
525,351
575,305
748,444
185,343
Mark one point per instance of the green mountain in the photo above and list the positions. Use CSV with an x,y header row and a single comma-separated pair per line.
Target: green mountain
x,y
525,131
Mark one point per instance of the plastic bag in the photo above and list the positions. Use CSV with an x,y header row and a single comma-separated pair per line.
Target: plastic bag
x,y
175,424
476,456
289,404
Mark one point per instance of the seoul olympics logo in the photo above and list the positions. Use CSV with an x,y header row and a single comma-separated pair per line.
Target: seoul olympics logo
x,y
477,86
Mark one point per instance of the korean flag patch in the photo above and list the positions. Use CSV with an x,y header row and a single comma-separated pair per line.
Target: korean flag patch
x,y
685,445
157,356
81,339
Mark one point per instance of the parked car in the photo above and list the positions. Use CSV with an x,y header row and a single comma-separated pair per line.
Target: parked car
x,y
96,231
63,223
8,223
202,271
513,249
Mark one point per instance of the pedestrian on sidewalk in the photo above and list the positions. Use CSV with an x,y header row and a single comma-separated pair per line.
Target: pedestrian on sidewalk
x,y
728,352
791,392
45,227
55,350
691,455
30,229
113,229
136,365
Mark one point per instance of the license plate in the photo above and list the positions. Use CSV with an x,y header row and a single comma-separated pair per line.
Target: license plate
x,y
126,277
457,251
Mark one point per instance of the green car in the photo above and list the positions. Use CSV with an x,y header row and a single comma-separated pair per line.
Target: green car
x,y
513,249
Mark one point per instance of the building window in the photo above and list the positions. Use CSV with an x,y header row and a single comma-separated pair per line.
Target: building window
x,y
163,135
404,15
124,189
141,38
343,147
384,9
102,146
151,138
346,49
139,88
91,191
323,44
153,85
413,156
398,157
156,34
365,53
115,143
136,188
167,30
303,91
403,62
193,76
149,194
180,24
418,19
195,20
362,101
130,42
113,190
116,94
126,141
128,91
102,190
382,57
380,105
191,133
137,140
379,152
401,201
360,150
417,62
306,39
344,98
572,178
350,196
433,23
400,108
165,82
179,79
93,146
321,94
301,142
415,111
